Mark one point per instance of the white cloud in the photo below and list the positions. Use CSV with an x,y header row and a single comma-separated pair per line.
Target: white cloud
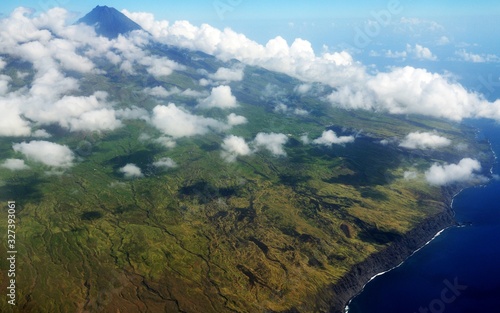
x,y
45,40
130,49
399,91
272,92
117,184
396,54
220,97
234,120
177,122
477,58
305,139
464,171
421,53
165,141
4,84
431,94
48,153
303,88
2,64
144,137
462,147
300,112
424,140
52,47
11,122
271,141
415,91
283,108
165,162
127,67
133,113
14,165
297,59
470,57
342,58
410,175
418,52
113,57
41,133
418,26
50,85
280,108
46,101
131,171
75,113
228,74
443,41
234,146
193,93
161,92
65,52
103,119
329,137
205,82
21,75
159,67
148,22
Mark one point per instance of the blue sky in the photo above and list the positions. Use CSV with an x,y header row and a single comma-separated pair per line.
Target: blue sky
x,y
316,21
210,10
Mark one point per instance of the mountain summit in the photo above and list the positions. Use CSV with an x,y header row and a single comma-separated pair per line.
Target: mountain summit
x,y
109,22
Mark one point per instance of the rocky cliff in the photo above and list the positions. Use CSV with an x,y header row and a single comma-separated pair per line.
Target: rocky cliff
x,y
335,297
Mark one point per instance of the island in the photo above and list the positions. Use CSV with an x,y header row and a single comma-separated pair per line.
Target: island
x,y
216,193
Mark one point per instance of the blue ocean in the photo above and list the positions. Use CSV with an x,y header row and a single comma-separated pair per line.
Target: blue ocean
x,y
457,272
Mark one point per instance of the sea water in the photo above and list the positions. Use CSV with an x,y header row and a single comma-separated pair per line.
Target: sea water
x,y
458,271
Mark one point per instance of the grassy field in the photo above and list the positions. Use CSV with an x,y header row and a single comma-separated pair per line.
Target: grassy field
x,y
260,234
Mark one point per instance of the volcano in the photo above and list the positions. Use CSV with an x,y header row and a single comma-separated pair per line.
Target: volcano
x,y
109,22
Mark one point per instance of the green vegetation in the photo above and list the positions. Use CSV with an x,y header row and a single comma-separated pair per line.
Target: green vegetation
x,y
260,234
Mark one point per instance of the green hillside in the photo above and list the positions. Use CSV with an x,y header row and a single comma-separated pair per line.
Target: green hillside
x,y
263,233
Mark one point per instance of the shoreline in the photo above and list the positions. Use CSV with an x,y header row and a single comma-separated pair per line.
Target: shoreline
x,y
354,282
449,201
346,308
336,297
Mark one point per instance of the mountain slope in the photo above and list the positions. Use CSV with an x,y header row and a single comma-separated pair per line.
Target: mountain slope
x,y
190,229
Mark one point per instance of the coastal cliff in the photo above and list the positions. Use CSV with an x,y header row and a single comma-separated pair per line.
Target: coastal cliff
x,y
353,282
335,297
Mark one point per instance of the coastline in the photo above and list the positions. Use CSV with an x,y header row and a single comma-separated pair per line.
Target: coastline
x,y
336,297
438,224
393,256
346,308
